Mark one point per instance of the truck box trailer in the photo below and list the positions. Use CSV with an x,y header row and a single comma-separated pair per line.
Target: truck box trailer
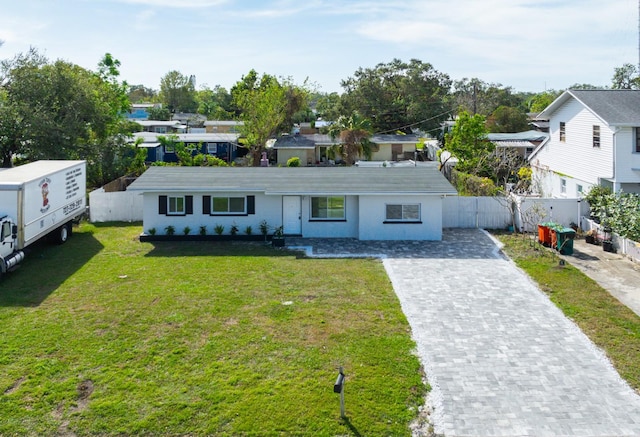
x,y
37,200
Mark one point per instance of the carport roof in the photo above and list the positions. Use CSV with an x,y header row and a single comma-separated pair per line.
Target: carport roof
x,y
423,180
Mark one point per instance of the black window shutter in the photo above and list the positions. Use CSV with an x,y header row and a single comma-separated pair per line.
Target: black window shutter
x,y
189,204
206,204
162,205
251,204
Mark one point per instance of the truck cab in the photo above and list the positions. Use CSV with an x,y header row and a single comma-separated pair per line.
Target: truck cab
x,y
9,255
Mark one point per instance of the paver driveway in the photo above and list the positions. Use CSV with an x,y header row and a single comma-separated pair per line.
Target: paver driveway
x,y
501,358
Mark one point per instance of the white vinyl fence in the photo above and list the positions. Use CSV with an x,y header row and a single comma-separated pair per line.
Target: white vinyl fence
x,y
500,213
117,206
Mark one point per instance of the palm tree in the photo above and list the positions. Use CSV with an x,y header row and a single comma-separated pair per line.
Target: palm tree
x,y
354,132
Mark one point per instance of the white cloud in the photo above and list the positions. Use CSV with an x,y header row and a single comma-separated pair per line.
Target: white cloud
x,y
145,20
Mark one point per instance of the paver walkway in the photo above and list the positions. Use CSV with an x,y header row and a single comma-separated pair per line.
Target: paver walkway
x,y
502,360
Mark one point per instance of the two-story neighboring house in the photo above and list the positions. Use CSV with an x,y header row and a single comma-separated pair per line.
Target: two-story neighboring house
x,y
594,139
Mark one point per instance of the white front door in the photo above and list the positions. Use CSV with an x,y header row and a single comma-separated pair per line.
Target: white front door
x,y
291,215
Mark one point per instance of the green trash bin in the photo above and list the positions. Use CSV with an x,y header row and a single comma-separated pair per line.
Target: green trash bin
x,y
565,238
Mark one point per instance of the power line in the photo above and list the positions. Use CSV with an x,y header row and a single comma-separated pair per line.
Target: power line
x,y
416,123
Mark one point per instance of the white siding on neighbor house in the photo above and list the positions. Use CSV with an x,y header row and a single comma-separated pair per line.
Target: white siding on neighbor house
x,y
576,157
627,159
373,217
269,208
549,184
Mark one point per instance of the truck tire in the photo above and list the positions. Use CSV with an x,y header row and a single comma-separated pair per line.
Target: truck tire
x,y
63,233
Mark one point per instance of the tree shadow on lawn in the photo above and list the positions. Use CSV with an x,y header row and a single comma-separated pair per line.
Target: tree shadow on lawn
x,y
45,268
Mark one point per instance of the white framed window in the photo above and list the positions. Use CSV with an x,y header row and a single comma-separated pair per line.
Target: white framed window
x,y
637,144
402,212
175,205
160,129
563,186
563,131
579,190
228,205
212,148
328,208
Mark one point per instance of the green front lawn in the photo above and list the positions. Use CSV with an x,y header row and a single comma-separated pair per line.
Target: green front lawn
x,y
107,335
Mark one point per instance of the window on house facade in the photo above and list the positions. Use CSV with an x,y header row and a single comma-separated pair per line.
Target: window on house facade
x,y
563,132
637,145
160,129
212,148
227,205
563,186
403,212
579,190
175,205
328,208
596,136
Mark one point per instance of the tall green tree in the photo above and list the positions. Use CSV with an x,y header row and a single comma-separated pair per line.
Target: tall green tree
x,y
215,104
354,132
177,92
329,106
398,96
538,102
507,119
142,94
468,142
478,97
625,78
267,108
59,110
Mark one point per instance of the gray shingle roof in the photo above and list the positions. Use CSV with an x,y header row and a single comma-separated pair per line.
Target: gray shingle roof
x,y
615,107
301,180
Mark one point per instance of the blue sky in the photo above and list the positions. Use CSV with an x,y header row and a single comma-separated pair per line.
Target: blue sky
x,y
526,44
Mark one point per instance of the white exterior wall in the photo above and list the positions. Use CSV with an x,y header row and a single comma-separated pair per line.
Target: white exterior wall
x,y
549,184
268,208
373,214
336,229
627,159
575,158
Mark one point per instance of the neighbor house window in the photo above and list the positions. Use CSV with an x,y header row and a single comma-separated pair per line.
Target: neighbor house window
x,y
212,148
403,212
563,133
160,129
637,145
579,190
596,136
328,208
175,205
563,186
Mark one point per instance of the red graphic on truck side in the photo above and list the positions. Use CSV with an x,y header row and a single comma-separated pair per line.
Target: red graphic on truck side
x,y
44,187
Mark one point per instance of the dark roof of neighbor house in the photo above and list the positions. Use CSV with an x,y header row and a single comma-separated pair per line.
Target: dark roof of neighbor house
x,y
615,107
294,142
423,180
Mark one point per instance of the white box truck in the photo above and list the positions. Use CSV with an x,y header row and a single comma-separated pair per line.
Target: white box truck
x,y
37,200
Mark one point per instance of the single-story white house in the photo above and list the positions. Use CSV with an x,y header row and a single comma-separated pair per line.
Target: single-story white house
x,y
384,203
